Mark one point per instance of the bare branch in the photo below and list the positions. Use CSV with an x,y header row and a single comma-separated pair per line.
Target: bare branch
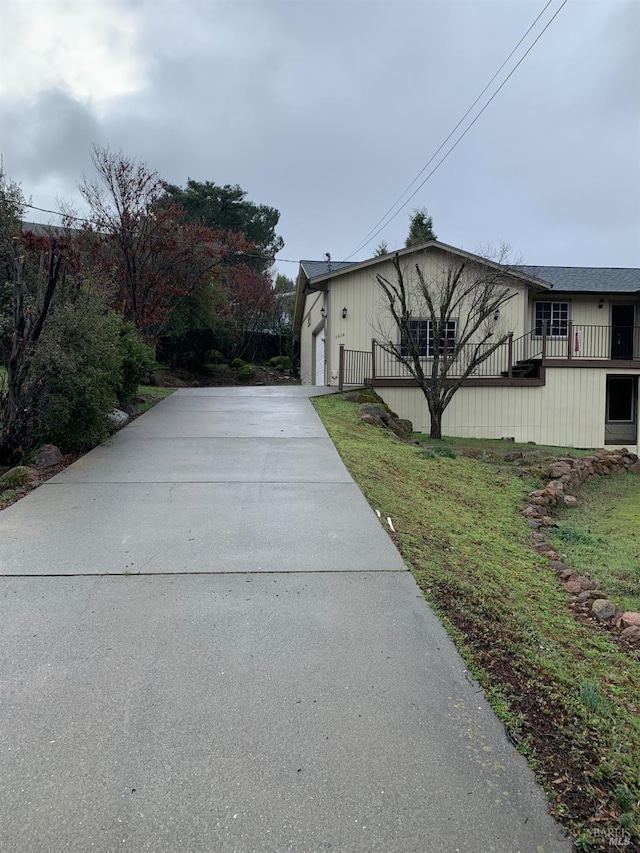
x,y
464,295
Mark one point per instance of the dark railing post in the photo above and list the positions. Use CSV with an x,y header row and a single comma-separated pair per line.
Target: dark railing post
x,y
570,341
544,339
373,359
510,356
341,367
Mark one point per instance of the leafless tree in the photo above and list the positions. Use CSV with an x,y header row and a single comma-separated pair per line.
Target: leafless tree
x,y
448,320
30,312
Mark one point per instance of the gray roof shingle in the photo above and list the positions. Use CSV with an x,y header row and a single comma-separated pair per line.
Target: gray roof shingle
x,y
314,268
587,279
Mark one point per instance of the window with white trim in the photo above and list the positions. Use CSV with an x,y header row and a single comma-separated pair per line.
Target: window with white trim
x,y
421,332
556,317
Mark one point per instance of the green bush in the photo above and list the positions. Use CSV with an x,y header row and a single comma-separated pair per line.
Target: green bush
x,y
280,362
246,373
237,363
137,362
87,359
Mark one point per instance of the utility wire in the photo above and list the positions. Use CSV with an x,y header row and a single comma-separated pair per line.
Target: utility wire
x,y
155,236
375,233
363,242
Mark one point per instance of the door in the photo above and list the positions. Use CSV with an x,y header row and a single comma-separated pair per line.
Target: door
x,y
319,358
622,320
621,426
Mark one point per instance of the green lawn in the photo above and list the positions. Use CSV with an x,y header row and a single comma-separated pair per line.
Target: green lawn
x,y
148,396
569,696
602,536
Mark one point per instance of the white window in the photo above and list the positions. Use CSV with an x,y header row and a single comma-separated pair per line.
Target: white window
x,y
556,317
421,332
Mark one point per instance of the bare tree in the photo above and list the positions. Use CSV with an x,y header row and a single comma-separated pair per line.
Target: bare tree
x,y
154,257
449,323
30,312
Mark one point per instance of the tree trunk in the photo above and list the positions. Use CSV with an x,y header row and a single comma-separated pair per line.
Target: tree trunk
x,y
436,425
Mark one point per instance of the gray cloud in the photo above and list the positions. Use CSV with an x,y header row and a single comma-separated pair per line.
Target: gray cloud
x,y
327,110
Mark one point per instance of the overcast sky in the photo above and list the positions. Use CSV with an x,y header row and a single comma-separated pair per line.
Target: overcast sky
x,y
328,109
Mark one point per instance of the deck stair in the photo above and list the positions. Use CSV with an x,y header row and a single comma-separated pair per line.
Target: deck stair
x,y
528,368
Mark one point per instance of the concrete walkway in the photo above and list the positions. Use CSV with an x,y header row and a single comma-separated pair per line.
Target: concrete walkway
x,y
209,643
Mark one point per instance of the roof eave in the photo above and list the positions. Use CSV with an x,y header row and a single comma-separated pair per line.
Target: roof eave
x,y
536,283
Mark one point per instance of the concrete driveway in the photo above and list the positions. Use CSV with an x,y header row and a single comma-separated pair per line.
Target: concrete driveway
x,y
209,643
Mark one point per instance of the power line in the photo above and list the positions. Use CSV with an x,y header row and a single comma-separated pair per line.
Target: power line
x,y
363,242
370,236
155,236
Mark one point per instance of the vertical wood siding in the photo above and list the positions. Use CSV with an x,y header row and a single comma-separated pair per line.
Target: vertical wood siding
x,y
568,411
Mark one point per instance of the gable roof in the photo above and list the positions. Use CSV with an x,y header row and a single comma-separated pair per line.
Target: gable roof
x,y
313,269
42,229
323,270
313,273
587,279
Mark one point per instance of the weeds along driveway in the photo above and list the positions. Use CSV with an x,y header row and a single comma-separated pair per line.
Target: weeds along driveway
x,y
209,643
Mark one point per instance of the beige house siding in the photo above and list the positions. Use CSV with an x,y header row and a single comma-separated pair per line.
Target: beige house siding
x,y
312,324
569,410
368,313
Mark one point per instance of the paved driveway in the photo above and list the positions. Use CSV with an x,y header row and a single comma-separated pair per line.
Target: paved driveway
x,y
209,643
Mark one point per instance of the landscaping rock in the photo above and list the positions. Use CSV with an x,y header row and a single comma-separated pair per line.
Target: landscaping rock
x,y
538,538
604,609
406,426
567,573
586,583
118,417
572,586
557,469
16,477
532,511
379,415
631,634
373,410
590,594
630,620
48,456
570,500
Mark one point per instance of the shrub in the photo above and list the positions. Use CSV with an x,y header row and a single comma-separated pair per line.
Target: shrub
x,y
237,363
280,362
246,373
77,371
136,362
446,452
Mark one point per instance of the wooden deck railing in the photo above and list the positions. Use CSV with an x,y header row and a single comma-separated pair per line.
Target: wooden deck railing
x,y
513,359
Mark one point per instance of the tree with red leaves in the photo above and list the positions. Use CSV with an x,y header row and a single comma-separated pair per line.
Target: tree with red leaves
x,y
250,299
148,251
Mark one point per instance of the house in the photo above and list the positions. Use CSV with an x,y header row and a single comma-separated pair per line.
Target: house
x,y
566,375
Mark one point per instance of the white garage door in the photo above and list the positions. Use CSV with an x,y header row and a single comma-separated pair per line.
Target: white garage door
x,y
320,358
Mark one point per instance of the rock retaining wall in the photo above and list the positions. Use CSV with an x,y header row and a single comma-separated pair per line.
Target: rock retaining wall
x,y
564,475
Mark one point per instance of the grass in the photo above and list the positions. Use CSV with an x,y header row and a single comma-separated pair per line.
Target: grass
x,y
148,396
601,536
568,695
